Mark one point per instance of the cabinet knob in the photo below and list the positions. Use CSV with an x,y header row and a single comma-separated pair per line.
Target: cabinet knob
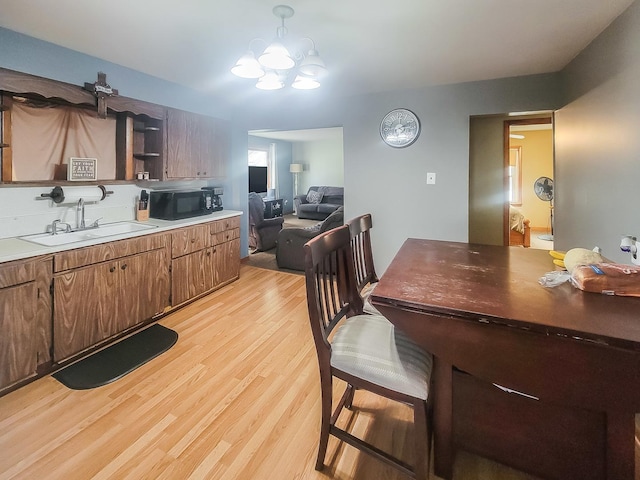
x,y
123,266
112,269
193,240
208,253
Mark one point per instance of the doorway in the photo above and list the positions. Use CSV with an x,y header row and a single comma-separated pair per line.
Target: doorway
x,y
529,180
500,175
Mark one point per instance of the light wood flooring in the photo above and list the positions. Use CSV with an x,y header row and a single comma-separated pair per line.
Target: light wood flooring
x,y
236,398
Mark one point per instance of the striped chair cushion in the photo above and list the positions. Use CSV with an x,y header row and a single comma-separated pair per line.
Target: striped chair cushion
x,y
369,347
366,298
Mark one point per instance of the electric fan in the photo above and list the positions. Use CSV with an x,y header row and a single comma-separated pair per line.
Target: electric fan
x,y
543,188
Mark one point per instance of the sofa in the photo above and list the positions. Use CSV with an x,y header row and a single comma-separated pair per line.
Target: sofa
x,y
289,249
319,202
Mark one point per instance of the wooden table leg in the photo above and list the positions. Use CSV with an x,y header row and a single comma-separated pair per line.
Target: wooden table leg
x,y
443,419
620,455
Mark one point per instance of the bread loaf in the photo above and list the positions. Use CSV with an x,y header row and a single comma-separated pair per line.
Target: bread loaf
x,y
607,278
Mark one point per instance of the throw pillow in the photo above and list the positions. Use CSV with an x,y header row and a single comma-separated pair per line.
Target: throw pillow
x,y
314,197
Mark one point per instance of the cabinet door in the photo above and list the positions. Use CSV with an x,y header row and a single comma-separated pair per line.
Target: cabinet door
x,y
144,288
227,261
85,308
189,239
197,145
183,148
18,333
191,275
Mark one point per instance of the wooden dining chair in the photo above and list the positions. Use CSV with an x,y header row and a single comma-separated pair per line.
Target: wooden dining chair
x,y
365,351
360,230
366,277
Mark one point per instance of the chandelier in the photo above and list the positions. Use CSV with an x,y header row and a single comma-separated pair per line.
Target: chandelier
x,y
276,64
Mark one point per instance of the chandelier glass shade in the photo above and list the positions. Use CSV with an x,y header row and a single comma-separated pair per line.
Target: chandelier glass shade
x,y
276,65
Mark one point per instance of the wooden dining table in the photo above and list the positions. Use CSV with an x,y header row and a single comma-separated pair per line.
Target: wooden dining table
x,y
543,379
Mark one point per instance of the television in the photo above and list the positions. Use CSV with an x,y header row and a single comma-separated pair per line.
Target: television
x,y
258,179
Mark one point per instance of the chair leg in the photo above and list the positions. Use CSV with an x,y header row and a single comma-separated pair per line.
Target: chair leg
x,y
349,401
422,448
325,426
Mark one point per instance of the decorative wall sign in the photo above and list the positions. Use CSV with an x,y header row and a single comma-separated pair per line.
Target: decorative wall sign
x,y
82,169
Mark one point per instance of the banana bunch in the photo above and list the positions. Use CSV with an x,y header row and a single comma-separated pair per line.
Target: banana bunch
x,y
558,258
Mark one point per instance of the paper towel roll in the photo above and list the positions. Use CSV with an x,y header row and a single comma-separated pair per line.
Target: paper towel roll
x,y
88,194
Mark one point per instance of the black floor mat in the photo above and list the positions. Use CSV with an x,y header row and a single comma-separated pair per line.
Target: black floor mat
x,y
117,360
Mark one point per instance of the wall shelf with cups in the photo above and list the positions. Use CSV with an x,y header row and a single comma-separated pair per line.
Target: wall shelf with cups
x,y
141,142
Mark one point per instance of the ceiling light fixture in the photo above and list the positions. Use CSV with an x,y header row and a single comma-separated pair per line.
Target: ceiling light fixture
x,y
277,64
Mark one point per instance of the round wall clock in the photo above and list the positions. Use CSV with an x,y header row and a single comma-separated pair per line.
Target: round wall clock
x,y
400,128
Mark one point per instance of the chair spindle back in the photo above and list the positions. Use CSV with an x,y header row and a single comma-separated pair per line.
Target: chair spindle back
x,y
360,230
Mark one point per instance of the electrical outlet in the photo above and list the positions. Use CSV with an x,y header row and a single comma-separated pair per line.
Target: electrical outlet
x,y
431,178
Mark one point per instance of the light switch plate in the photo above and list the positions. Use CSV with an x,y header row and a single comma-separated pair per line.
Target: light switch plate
x,y
431,178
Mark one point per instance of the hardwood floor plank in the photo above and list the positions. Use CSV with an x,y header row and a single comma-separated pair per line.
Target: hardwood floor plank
x,y
237,397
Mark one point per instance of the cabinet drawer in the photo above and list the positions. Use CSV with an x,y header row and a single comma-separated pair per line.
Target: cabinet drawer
x,y
226,236
108,251
188,240
15,273
225,224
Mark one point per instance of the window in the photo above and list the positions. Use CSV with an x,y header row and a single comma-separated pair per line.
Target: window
x,y
515,175
265,158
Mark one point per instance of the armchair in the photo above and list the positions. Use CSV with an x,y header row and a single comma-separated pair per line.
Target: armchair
x,y
263,233
290,251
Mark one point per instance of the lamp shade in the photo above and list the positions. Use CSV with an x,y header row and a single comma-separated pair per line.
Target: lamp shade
x,y
295,168
303,82
312,65
248,67
276,57
270,81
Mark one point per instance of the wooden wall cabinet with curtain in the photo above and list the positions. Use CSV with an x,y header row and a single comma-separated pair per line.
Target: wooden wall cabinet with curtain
x,y
142,137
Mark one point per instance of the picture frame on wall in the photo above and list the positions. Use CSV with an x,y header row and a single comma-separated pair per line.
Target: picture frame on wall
x,y
82,169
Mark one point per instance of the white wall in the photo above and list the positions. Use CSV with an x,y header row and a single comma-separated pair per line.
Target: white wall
x,y
597,141
323,162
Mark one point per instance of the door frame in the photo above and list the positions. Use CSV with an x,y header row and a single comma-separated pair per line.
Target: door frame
x,y
505,180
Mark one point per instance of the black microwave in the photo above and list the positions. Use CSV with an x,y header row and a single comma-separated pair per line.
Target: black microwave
x,y
178,204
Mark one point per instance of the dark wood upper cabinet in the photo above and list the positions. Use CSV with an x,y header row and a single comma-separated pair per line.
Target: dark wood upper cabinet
x,y
197,145
167,143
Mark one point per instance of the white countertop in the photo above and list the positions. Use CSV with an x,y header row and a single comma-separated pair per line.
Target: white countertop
x,y
17,249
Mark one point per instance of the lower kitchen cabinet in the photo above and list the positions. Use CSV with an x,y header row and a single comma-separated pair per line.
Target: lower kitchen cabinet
x,y
17,342
96,302
192,275
57,307
25,319
227,254
205,257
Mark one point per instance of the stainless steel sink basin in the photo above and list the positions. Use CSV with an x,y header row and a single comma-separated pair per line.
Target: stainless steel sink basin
x,y
106,230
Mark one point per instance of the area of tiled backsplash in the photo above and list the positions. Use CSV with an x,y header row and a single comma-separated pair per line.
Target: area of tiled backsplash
x,y
23,211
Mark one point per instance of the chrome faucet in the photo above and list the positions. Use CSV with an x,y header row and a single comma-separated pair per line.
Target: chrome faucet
x,y
59,224
80,215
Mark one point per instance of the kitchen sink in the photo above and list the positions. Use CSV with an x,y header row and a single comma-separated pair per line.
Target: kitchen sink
x,y
106,230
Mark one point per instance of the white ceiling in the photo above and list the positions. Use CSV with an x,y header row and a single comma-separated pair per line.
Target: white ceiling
x,y
306,135
368,46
